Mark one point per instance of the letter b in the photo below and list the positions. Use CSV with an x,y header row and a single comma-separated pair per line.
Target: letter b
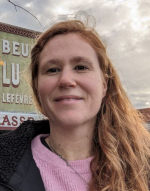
x,y
6,46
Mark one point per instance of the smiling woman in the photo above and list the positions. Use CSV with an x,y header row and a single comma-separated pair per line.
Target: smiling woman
x,y
93,140
73,82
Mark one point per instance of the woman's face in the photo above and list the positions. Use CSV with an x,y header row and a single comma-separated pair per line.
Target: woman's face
x,y
70,82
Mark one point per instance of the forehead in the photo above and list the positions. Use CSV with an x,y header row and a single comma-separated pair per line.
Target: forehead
x,y
69,37
68,44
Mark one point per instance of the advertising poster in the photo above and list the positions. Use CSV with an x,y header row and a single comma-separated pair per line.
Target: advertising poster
x,y
16,100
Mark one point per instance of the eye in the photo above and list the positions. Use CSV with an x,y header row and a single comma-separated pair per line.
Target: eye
x,y
81,67
53,70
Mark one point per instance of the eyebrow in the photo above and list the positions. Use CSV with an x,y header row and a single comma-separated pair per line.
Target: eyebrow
x,y
53,61
76,59
79,59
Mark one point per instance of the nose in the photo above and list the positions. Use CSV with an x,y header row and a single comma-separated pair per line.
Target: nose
x,y
67,79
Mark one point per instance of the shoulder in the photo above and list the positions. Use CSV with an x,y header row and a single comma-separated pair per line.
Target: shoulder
x,y
14,143
23,135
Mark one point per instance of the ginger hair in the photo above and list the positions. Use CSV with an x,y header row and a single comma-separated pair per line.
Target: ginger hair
x,y
121,142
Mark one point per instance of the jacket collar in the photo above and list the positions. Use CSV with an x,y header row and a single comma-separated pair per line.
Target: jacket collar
x,y
14,144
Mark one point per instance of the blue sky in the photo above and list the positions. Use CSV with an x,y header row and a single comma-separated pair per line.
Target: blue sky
x,y
124,26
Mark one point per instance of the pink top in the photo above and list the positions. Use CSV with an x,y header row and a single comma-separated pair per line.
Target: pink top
x,y
55,173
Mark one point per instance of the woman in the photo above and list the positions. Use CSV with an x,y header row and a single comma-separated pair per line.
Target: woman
x,y
93,139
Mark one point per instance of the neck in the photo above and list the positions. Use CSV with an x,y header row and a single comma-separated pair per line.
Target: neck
x,y
72,144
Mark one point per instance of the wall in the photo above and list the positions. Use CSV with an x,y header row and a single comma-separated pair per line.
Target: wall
x,y
16,100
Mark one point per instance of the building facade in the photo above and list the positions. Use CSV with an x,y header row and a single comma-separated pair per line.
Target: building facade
x,y
16,100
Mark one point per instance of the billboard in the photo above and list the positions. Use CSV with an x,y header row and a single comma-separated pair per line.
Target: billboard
x,y
16,100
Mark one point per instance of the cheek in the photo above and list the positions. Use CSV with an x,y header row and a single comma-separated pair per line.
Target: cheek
x,y
94,87
44,87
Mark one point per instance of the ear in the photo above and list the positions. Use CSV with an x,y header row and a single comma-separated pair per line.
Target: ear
x,y
104,86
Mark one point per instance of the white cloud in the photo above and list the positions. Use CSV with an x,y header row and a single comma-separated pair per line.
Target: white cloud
x,y
29,5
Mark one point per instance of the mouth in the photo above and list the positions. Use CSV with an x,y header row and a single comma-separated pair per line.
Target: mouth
x,y
68,98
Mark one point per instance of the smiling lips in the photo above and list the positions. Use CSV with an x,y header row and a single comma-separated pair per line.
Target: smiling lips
x,y
68,98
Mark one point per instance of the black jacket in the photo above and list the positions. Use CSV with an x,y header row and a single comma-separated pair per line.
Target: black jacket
x,y
18,171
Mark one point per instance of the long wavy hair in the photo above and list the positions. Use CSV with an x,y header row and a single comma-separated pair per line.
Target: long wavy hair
x,y
121,142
